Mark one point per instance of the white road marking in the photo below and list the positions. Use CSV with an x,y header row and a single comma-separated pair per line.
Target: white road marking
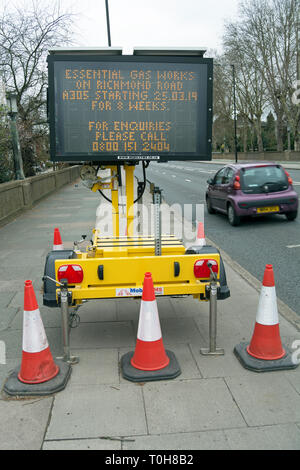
x,y
293,246
188,181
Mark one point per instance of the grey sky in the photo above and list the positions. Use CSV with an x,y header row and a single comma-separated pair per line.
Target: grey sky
x,y
153,22
148,23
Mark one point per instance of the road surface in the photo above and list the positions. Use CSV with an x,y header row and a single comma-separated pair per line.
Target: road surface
x,y
253,244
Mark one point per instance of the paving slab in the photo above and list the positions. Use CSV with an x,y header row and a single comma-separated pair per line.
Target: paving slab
x,y
265,399
102,335
208,440
279,437
5,300
95,311
190,405
7,316
23,423
97,411
96,367
105,444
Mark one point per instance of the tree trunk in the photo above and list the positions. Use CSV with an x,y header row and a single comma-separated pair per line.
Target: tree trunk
x,y
279,132
260,144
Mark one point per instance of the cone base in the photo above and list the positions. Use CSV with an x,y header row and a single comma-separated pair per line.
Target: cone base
x,y
13,386
171,371
259,365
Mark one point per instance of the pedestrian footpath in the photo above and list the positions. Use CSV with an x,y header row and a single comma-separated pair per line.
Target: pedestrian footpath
x,y
215,403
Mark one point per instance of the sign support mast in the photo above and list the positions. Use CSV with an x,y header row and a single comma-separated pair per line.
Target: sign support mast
x,y
108,23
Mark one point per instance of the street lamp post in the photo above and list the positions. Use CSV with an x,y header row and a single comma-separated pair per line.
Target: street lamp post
x,y
13,112
108,23
234,112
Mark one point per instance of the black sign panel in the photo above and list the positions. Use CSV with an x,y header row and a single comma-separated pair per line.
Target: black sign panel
x,y
114,108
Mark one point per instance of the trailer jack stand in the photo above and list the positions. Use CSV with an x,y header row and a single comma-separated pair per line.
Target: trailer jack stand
x,y
213,290
65,324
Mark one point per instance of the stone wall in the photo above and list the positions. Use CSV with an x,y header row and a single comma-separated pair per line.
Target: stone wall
x,y
17,196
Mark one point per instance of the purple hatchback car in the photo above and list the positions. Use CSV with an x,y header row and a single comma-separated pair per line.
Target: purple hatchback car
x,y
252,189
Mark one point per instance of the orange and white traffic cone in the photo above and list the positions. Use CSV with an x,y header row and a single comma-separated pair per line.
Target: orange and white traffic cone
x,y
150,360
265,351
266,343
149,352
200,240
37,365
57,242
38,374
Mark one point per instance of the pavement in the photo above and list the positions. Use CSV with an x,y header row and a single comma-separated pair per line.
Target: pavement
x,y
214,404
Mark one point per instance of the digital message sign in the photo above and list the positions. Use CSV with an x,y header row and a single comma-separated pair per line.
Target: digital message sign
x,y
114,108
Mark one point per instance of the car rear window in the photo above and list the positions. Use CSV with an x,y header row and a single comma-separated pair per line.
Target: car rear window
x,y
263,179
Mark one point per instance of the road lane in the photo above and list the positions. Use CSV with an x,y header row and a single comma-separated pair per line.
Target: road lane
x,y
253,244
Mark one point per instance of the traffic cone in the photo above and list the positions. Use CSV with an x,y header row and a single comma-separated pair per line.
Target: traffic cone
x,y
149,352
57,242
266,343
38,374
37,363
265,351
200,240
150,360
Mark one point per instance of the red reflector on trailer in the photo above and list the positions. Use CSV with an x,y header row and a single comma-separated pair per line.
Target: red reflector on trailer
x,y
201,270
72,272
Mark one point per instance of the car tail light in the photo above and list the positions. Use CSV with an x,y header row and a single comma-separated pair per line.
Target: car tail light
x,y
237,184
290,181
201,270
72,272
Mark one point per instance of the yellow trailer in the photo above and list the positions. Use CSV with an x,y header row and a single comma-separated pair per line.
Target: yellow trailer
x,y
116,111
114,267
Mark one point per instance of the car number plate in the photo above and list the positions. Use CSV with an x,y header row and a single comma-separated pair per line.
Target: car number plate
x,y
268,209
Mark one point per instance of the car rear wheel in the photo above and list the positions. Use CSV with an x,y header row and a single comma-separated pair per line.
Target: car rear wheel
x,y
291,215
233,218
210,210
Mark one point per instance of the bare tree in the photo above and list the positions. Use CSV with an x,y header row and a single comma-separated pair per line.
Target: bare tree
x,y
266,35
223,105
26,34
251,90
